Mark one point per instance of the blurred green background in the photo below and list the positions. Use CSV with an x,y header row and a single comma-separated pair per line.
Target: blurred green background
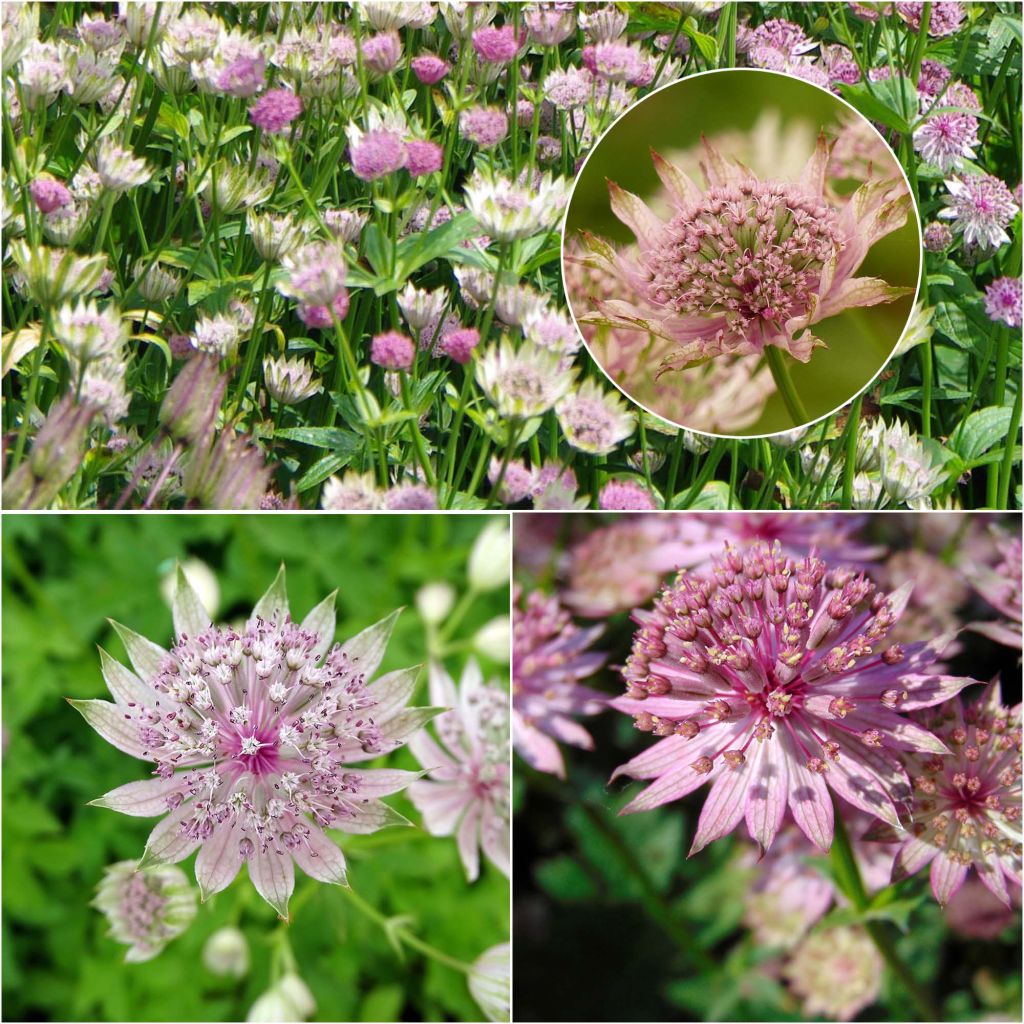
x,y
62,577
859,340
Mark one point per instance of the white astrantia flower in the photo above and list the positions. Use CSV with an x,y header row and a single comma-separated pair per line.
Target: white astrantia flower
x,y
146,907
275,235
288,999
256,733
507,210
466,791
217,335
155,284
434,601
226,953
490,982
88,332
290,380
53,275
522,382
118,168
593,420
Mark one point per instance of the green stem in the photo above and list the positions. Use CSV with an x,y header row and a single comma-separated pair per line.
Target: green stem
x,y
850,463
780,372
1006,469
848,877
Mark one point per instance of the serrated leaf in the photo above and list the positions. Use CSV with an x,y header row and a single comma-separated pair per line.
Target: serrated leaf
x,y
980,431
419,249
321,470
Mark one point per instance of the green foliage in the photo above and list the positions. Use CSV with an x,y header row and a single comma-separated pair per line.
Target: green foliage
x,y
62,578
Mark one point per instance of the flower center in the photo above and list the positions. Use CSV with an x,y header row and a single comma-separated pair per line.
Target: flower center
x,y
254,749
753,251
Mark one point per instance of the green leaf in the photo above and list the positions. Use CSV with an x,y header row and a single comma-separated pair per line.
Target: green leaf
x,y
382,1003
320,471
376,248
419,249
564,878
883,101
980,431
334,438
707,45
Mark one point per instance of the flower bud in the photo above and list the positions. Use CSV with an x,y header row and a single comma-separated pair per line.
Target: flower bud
x,y
493,639
193,399
226,953
489,560
288,1000
490,982
434,601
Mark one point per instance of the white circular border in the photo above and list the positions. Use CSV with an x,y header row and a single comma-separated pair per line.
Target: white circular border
x,y
913,203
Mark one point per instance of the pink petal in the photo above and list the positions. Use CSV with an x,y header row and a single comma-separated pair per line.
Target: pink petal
x,y
273,874
913,855
926,690
371,816
635,214
442,689
723,807
440,803
537,750
809,799
673,785
167,844
653,761
145,799
947,876
495,839
766,795
109,721
392,692
467,841
430,754
218,860
124,685
146,657
681,188
990,871
567,731
868,780
376,782
321,859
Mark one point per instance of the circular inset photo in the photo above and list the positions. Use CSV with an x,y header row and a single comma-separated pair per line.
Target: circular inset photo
x,y
741,253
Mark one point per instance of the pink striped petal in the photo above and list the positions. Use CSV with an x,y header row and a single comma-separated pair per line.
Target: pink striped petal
x,y
867,779
766,796
218,860
146,657
495,839
990,871
167,844
926,690
274,602
468,839
809,799
375,782
568,731
366,649
110,722
323,621
430,754
145,799
913,855
321,859
440,803
273,874
124,685
392,692
673,785
371,816
723,807
947,876
190,617
655,760
537,750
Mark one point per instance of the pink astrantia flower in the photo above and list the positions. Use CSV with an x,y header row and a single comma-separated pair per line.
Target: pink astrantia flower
x,y
392,350
1003,301
466,791
743,263
773,680
947,16
1000,585
625,494
49,194
980,206
275,110
254,732
423,157
967,804
429,69
376,154
549,658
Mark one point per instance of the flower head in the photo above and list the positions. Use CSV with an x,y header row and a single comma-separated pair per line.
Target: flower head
x,y
625,494
549,658
486,126
118,168
392,350
999,584
980,206
490,982
226,953
496,45
744,263
593,420
966,809
466,789
429,68
375,154
947,139
947,16
255,732
316,274
773,679
1003,301
836,972
88,332
146,907
290,380
507,210
275,110
49,194
522,382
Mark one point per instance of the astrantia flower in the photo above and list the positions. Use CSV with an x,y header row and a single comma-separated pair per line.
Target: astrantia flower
x,y
88,332
316,274
392,350
550,23
1000,586
486,126
377,153
496,45
507,210
49,194
253,732
146,907
593,420
746,263
226,953
490,982
118,168
217,335
353,491
290,380
522,382
549,658
836,972
53,275
233,186
568,89
946,17
275,110
428,68
620,495
1003,301
466,791
966,807
274,235
773,680
980,206
947,139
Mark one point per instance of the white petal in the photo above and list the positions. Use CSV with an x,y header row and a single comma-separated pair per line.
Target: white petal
x,y
190,617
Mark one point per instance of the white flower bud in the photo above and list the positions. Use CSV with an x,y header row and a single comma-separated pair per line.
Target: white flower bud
x,y
489,560
226,953
434,601
493,639
203,581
